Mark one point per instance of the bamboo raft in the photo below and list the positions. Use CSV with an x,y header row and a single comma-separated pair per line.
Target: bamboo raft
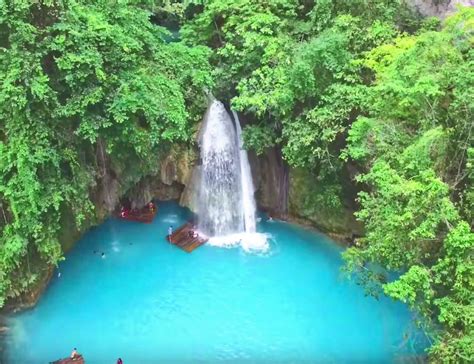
x,y
77,360
184,240
145,215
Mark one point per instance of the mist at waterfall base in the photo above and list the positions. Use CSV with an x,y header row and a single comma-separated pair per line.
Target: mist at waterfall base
x,y
226,204
150,302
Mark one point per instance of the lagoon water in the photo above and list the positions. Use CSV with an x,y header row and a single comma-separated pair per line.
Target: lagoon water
x,y
150,302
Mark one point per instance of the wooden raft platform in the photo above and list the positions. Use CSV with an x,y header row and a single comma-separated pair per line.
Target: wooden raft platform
x,y
77,360
183,239
145,215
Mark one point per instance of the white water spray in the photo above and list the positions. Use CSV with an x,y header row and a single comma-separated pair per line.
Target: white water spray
x,y
226,205
220,208
248,200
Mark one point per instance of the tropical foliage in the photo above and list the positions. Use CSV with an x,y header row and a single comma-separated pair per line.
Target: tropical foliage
x,y
334,83
414,146
80,80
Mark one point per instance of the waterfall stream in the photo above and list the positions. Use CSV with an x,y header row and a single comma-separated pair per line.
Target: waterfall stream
x,y
226,204
248,200
220,208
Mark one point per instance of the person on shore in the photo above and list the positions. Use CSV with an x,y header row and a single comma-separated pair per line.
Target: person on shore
x,y
74,354
123,211
170,231
151,206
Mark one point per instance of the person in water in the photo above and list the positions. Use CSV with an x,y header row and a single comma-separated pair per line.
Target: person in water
x,y
103,255
170,230
119,361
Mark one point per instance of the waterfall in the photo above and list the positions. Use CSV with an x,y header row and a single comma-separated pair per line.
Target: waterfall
x,y
248,200
219,202
226,205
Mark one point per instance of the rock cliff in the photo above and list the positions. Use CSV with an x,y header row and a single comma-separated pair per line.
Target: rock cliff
x,y
438,8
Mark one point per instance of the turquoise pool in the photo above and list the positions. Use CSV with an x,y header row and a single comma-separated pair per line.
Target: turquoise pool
x,y
150,302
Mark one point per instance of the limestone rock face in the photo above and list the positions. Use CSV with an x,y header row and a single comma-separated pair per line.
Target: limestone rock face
x,y
151,187
175,175
438,8
270,175
168,170
308,202
114,181
105,193
190,193
180,172
295,194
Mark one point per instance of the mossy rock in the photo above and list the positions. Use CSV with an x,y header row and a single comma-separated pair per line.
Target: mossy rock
x,y
319,203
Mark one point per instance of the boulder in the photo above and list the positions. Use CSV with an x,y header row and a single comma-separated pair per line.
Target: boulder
x,y
438,8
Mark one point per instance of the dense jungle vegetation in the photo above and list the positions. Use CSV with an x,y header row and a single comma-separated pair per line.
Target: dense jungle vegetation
x,y
366,83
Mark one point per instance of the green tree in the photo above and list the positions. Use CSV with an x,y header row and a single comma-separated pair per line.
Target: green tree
x,y
292,67
315,76
415,147
78,77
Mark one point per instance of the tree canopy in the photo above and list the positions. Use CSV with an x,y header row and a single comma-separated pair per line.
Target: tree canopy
x,y
368,83
75,77
365,83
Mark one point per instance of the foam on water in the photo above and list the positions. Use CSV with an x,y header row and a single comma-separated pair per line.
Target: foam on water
x,y
226,203
248,200
249,242
220,191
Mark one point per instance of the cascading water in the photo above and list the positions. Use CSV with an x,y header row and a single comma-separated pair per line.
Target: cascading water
x,y
226,205
248,200
220,208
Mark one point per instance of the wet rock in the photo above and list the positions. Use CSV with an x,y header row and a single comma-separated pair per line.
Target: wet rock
x,y
438,8
190,193
308,204
29,298
270,174
168,170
